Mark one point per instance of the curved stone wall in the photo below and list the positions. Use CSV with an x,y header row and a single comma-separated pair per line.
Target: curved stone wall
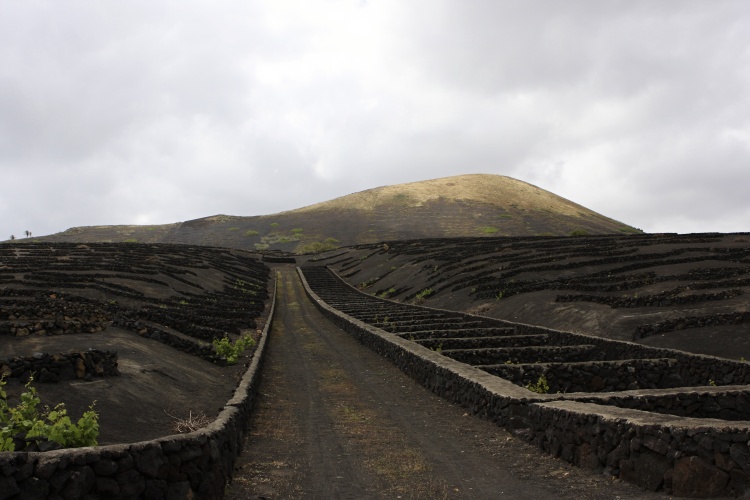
x,y
650,437
194,465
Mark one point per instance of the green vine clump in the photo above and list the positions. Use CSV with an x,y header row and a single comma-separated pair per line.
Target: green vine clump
x,y
421,296
24,423
541,386
231,352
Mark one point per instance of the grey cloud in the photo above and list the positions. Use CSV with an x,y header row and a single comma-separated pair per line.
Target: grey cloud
x,y
165,111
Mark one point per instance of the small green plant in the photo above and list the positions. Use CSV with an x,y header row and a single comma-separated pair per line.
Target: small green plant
x,y
541,386
244,286
297,230
54,425
488,229
711,382
251,232
421,296
499,296
274,224
234,229
579,232
231,352
131,240
318,246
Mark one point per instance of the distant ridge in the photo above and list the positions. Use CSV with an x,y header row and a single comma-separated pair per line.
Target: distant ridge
x,y
465,205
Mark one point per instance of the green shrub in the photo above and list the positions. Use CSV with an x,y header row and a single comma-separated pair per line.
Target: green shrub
x,y
318,246
541,386
231,352
251,232
579,232
421,296
50,425
297,230
488,229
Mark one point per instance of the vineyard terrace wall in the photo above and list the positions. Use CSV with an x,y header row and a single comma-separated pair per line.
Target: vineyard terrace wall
x,y
45,367
658,451
194,465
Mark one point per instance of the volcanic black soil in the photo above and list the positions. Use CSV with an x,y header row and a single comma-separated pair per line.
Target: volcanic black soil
x,y
686,292
157,306
333,419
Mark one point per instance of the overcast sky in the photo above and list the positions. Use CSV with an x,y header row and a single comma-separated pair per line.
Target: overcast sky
x,y
149,112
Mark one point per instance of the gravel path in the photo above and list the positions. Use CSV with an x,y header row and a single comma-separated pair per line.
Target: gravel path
x,y
335,420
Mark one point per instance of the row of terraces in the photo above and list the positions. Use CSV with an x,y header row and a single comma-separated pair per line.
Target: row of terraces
x,y
602,377
673,282
181,295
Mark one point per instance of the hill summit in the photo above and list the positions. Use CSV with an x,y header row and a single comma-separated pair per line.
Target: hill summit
x,y
465,205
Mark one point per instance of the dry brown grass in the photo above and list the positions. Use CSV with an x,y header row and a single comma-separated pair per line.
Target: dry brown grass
x,y
191,423
497,190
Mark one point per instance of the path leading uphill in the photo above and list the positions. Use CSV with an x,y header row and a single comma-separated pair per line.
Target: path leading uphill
x,y
335,420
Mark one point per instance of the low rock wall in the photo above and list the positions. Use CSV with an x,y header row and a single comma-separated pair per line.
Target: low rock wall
x,y
669,325
194,465
665,299
154,332
49,314
674,454
713,402
45,367
592,376
524,354
681,456
693,369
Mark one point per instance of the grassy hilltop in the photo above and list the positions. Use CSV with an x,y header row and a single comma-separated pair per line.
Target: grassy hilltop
x,y
460,206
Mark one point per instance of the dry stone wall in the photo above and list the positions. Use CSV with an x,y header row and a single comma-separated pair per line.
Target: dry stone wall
x,y
193,465
683,440
45,367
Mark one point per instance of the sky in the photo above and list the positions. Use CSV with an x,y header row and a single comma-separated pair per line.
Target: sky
x,y
152,112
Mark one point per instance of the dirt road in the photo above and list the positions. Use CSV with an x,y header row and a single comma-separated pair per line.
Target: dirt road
x,y
335,420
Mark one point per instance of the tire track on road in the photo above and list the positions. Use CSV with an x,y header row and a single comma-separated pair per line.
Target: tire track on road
x,y
335,420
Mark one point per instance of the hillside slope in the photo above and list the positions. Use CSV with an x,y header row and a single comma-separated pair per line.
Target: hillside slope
x,y
686,292
466,205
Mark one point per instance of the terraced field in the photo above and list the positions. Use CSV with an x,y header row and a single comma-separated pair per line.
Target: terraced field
x,y
154,308
560,340
678,291
664,419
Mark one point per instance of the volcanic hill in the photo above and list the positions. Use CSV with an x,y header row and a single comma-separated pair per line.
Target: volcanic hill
x,y
460,206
